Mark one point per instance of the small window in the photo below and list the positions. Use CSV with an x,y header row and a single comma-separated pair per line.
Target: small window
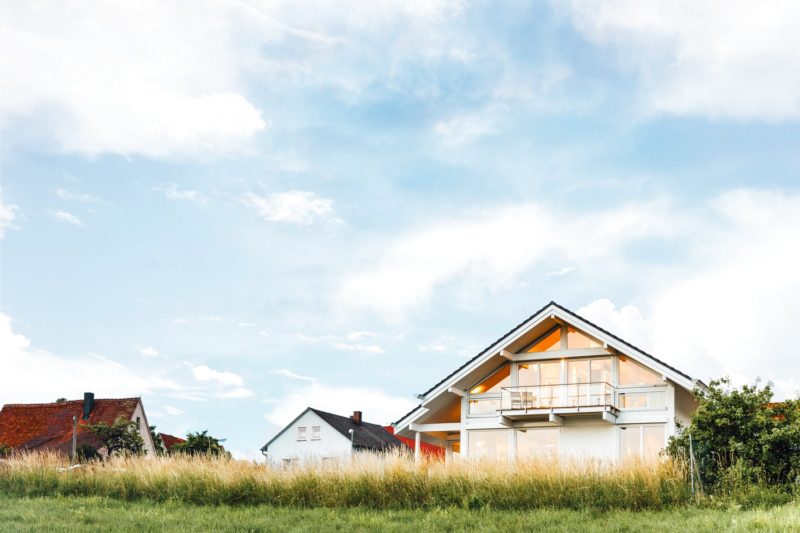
x,y
315,433
138,423
641,441
301,433
642,400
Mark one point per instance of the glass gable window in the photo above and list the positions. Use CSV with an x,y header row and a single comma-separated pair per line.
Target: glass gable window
x,y
577,340
495,382
484,406
632,374
537,442
492,444
549,342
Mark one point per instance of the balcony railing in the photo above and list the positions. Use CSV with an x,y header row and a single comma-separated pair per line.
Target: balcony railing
x,y
595,394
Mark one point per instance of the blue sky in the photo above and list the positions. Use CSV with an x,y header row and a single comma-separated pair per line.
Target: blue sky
x,y
240,209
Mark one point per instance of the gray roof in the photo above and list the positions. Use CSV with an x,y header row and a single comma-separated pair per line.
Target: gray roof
x,y
366,436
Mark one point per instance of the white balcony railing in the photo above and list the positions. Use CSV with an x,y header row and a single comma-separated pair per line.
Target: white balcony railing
x,y
595,394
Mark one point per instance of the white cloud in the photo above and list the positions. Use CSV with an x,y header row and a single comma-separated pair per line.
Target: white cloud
x,y
238,392
735,59
173,411
732,308
358,347
172,192
8,213
377,406
482,251
289,374
76,197
147,351
69,218
34,375
204,373
468,127
149,78
560,272
294,207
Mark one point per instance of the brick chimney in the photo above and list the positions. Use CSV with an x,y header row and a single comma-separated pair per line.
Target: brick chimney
x,y
356,417
88,404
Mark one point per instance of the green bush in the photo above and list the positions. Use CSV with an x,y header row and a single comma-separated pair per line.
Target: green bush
x,y
741,438
5,450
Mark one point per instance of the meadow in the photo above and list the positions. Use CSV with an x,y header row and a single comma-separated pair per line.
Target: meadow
x,y
371,493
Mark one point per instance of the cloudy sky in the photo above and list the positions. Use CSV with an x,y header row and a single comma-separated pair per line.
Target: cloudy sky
x,y
236,210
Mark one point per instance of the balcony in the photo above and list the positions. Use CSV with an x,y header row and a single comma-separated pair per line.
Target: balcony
x,y
561,399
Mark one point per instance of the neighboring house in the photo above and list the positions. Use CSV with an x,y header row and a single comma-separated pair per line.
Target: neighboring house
x,y
318,435
170,440
555,384
48,426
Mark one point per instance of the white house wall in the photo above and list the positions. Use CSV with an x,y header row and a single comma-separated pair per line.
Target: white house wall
x,y
685,404
588,439
144,430
331,443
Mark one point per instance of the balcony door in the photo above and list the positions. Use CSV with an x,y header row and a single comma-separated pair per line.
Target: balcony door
x,y
540,383
589,382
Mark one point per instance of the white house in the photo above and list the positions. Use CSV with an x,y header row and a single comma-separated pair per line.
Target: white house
x,y
555,384
318,435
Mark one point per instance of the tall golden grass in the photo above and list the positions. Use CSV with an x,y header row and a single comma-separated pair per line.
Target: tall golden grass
x,y
390,481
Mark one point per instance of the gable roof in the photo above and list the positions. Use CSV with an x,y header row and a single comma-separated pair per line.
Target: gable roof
x,y
49,425
527,322
170,440
366,436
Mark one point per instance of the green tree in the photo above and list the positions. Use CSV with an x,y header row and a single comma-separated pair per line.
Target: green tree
x,y
121,437
742,428
200,443
5,450
157,441
61,400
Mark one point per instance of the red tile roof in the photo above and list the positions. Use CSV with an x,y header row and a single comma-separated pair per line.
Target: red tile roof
x,y
170,440
49,425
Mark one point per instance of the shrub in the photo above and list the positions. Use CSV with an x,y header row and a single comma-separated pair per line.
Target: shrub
x,y
86,452
740,437
5,450
200,443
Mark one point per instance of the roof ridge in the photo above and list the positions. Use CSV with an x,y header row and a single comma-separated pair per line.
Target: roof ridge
x,y
44,404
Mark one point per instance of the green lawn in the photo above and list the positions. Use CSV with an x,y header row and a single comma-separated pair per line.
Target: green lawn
x,y
86,514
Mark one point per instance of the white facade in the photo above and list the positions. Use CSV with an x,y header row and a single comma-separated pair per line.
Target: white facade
x,y
308,437
144,430
556,385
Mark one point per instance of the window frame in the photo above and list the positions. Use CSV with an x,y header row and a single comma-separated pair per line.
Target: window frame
x,y
302,433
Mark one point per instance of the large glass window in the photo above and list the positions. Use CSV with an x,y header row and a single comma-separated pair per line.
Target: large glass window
x,y
641,441
587,382
632,374
537,442
492,444
549,342
495,382
576,340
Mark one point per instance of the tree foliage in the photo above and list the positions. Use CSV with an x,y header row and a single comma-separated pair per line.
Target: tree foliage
x,y
5,450
200,443
121,437
158,442
86,452
741,430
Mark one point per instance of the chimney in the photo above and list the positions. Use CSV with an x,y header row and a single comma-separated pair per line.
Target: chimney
x,y
88,404
356,417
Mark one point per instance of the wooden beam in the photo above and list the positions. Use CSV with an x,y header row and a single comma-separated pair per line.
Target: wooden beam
x,y
555,419
609,417
456,391
428,428
503,421
508,355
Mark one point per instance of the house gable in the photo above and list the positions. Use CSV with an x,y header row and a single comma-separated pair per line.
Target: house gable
x,y
548,333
